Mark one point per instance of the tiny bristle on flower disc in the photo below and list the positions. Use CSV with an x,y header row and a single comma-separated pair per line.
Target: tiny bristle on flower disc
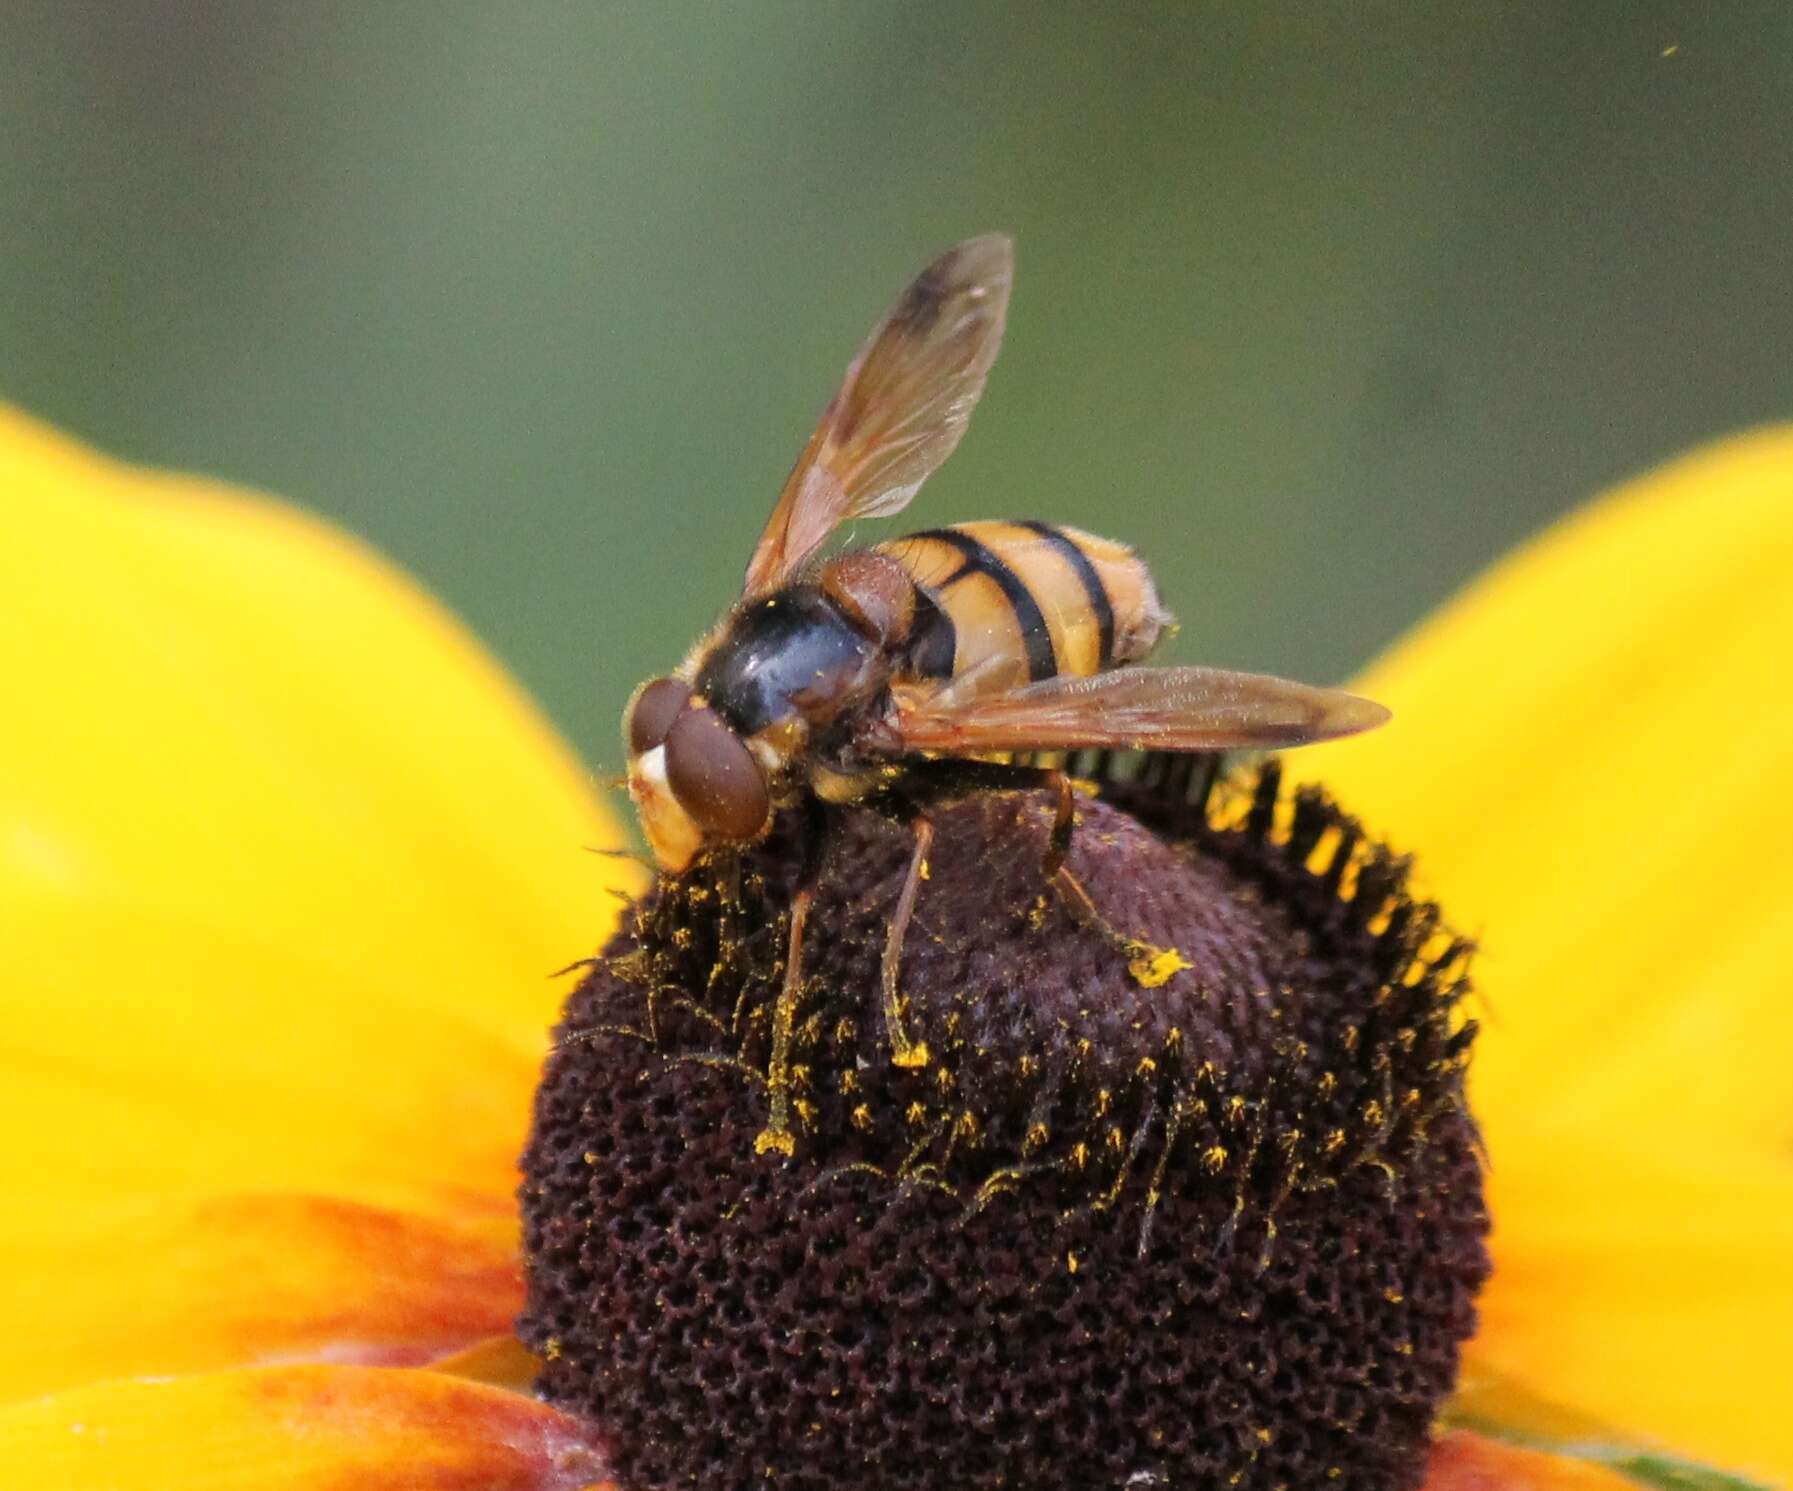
x,y
1185,1195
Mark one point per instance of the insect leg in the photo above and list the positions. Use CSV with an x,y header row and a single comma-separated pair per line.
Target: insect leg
x,y
1058,842
903,1051
776,1136
1149,964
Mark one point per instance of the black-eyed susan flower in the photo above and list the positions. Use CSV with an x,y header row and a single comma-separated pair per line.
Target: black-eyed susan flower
x,y
283,861
1186,1194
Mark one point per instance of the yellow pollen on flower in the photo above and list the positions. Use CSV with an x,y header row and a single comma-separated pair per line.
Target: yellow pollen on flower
x,y
1152,967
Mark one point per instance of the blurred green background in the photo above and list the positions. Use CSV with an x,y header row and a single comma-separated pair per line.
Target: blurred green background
x,y
1324,306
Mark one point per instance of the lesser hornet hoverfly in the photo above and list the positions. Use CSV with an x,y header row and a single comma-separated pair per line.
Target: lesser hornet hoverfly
x,y
833,681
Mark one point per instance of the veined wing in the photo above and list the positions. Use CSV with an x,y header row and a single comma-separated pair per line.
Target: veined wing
x,y
1174,709
901,410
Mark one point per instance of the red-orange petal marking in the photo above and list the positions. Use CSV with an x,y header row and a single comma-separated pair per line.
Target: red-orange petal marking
x,y
251,1281
298,1429
1462,1461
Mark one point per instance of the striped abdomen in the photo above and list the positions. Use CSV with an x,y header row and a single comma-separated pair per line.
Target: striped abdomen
x,y
1019,602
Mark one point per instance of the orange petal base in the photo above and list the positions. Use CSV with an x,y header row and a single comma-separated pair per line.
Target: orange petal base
x,y
249,1281
298,1429
1467,1462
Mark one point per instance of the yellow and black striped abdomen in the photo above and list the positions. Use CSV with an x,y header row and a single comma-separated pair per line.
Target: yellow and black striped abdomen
x,y
1019,602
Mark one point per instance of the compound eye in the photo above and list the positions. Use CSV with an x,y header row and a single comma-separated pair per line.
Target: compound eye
x,y
715,778
651,712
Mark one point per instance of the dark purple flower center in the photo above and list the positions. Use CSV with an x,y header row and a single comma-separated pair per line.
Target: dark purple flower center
x,y
1186,1196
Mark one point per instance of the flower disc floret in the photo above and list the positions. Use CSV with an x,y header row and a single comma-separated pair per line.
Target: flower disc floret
x,y
1187,1194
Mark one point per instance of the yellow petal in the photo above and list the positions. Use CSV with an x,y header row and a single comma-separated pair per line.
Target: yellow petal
x,y
1591,753
1561,1448
1652,1295
247,1281
284,860
1591,756
1463,1460
149,1058
297,1429
1467,1462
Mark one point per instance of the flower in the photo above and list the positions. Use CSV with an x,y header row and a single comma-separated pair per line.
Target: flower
x,y
283,861
1185,1194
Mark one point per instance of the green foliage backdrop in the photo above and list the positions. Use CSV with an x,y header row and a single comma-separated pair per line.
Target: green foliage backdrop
x,y
1323,305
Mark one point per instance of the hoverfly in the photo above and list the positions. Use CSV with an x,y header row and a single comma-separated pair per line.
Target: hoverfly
x,y
831,681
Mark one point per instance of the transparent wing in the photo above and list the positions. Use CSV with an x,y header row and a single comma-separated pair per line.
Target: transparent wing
x,y
1174,709
905,402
